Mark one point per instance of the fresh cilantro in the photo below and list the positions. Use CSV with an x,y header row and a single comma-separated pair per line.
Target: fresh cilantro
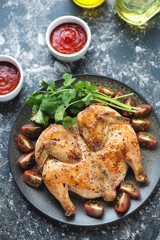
x,y
35,109
80,85
44,84
35,99
68,121
47,106
69,99
51,86
87,100
68,79
40,118
59,114
68,96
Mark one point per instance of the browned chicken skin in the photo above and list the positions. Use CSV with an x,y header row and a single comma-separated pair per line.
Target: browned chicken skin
x,y
91,159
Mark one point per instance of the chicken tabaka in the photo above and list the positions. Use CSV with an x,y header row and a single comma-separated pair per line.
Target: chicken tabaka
x,y
91,158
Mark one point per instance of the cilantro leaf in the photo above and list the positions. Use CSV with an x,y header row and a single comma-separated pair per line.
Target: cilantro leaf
x,y
87,99
91,88
59,113
68,121
44,84
81,93
35,109
51,86
68,96
83,88
40,118
68,79
35,99
48,106
86,85
80,84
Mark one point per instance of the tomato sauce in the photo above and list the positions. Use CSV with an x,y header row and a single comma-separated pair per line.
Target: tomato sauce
x,y
9,77
68,38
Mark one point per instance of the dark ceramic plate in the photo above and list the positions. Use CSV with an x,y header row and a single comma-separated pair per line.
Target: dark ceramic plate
x,y
48,205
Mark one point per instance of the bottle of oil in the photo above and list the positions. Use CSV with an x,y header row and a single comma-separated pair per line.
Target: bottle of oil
x,y
137,12
88,3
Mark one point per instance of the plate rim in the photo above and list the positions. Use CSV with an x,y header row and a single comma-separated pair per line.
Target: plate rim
x,y
72,223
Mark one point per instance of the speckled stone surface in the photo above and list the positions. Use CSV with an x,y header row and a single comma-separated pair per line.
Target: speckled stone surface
x,y
126,53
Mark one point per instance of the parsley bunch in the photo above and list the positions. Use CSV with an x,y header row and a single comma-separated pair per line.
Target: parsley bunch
x,y
58,105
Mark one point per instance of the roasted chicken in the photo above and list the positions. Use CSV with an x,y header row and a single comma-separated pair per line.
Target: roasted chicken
x,y
91,159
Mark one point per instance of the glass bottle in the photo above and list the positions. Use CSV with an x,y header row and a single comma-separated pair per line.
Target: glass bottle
x,y
137,12
88,3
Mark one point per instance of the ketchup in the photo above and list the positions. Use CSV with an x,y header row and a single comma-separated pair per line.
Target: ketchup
x,y
9,77
68,38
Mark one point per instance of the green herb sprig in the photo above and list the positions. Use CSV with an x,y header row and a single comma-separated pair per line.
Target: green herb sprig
x,y
58,105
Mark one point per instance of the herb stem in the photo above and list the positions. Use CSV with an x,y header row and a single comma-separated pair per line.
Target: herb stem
x,y
63,90
109,99
55,92
73,103
126,95
128,109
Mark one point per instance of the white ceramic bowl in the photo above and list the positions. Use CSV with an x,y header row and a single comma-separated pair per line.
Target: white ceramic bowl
x,y
14,93
68,57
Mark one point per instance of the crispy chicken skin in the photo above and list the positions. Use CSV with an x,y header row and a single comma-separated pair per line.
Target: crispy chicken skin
x,y
90,159
57,142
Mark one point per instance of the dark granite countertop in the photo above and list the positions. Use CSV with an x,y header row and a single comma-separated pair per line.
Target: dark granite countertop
x,y
126,53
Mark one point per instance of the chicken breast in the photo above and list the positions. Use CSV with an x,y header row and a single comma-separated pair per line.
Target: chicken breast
x,y
91,159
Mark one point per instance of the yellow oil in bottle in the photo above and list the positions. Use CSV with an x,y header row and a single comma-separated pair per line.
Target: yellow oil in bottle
x,y
88,3
137,12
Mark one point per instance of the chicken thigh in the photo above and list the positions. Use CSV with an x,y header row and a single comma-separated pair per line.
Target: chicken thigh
x,y
91,159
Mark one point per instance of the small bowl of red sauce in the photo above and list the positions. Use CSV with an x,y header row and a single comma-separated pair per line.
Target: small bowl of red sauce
x,y
11,78
68,38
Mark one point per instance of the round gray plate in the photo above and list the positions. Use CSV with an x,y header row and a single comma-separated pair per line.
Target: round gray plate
x,y
48,205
